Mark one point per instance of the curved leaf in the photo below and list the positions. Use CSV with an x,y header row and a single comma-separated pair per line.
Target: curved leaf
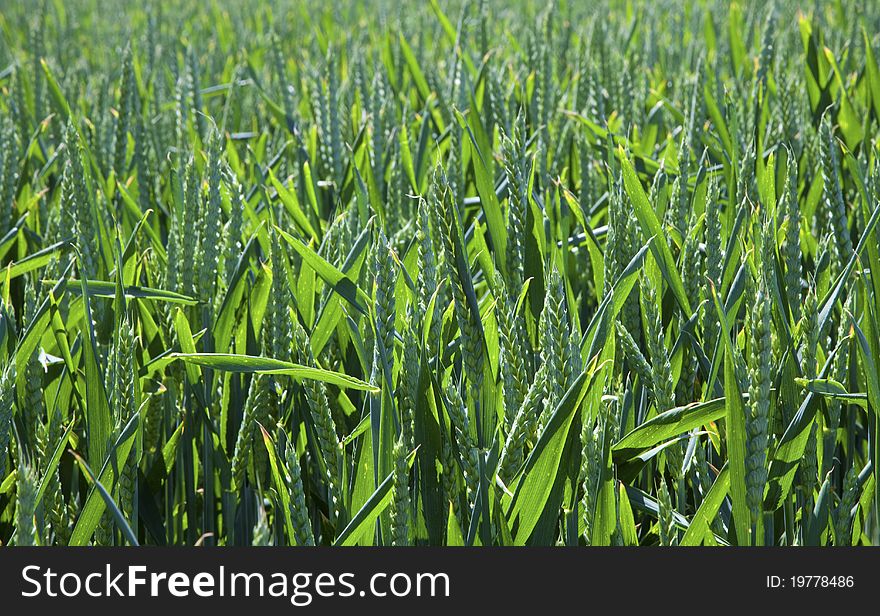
x,y
250,364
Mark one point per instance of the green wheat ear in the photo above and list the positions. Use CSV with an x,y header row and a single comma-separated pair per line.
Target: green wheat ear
x,y
524,427
471,345
512,349
833,195
32,400
232,235
7,409
384,285
666,523
279,332
124,120
27,483
409,383
714,263
322,417
9,171
209,229
400,498
246,444
191,217
77,202
516,167
299,511
591,468
843,514
262,534
634,355
556,352
458,417
792,245
759,363
126,404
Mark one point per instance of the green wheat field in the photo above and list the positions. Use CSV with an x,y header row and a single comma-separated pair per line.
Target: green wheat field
x,y
449,273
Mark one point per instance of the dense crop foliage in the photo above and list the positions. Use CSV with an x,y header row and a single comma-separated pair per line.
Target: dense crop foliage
x,y
452,274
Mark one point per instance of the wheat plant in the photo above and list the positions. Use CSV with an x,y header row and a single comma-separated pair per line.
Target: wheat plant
x,y
468,273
